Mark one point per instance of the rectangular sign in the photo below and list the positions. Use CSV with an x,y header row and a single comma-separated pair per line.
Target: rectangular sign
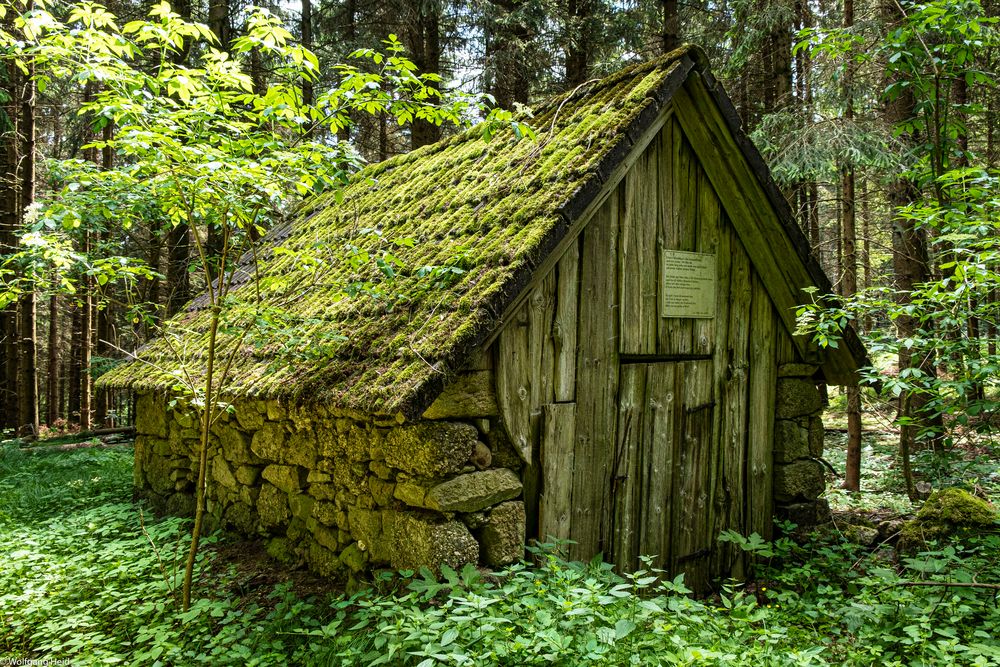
x,y
688,284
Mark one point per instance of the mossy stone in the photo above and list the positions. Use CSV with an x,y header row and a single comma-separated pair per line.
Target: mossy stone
x,y
323,560
353,558
248,475
947,512
268,443
430,449
801,480
410,492
301,505
221,472
280,549
240,516
248,416
272,506
422,541
817,436
289,479
150,416
301,449
474,491
502,537
796,398
325,513
791,441
382,491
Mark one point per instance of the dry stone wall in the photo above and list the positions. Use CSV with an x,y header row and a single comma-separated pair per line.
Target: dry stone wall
x,y
799,478
341,495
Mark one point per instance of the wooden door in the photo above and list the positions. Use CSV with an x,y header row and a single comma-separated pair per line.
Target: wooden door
x,y
661,472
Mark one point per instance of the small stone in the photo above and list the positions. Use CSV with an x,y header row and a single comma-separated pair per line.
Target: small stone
x,y
325,513
411,493
474,491
280,549
381,470
248,417
221,472
184,418
418,541
323,560
287,478
275,411
382,491
323,491
862,535
301,505
327,538
481,456
248,475
796,370
354,558
318,477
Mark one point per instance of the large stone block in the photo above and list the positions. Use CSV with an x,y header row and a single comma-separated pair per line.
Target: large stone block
x,y
272,506
430,448
796,398
366,529
467,396
241,517
791,441
805,514
502,536
421,541
802,480
474,491
289,479
150,415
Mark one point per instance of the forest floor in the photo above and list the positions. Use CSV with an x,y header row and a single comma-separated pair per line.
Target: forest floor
x,y
89,576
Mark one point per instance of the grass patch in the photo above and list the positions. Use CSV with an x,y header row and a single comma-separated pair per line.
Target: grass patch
x,y
82,581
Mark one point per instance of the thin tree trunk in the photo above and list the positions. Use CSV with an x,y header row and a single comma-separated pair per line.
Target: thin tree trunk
x,y
52,395
9,188
307,42
28,422
424,42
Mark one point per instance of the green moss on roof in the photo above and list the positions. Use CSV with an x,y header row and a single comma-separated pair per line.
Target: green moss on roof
x,y
496,209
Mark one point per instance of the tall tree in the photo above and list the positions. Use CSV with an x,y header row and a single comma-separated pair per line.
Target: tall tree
x,y
852,476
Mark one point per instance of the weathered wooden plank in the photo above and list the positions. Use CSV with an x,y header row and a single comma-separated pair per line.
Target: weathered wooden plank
x,y
729,500
564,327
513,378
541,350
679,206
707,241
625,480
558,470
659,445
468,396
583,220
596,381
638,255
756,224
691,548
764,325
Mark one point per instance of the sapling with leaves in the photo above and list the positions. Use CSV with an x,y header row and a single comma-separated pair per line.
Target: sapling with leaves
x,y
222,158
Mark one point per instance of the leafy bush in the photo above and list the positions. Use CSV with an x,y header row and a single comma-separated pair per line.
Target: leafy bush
x,y
82,581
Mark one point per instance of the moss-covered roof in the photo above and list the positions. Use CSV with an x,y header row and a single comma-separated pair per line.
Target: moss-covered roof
x,y
495,210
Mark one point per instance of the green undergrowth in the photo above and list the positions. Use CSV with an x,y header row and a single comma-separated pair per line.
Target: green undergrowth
x,y
81,581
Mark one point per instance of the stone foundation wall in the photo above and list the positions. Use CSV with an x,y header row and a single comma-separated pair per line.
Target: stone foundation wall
x,y
798,447
342,495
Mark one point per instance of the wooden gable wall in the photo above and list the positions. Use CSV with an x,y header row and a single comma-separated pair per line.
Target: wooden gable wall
x,y
646,435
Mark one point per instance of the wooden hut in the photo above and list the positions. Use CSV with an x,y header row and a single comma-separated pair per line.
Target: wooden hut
x,y
587,336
